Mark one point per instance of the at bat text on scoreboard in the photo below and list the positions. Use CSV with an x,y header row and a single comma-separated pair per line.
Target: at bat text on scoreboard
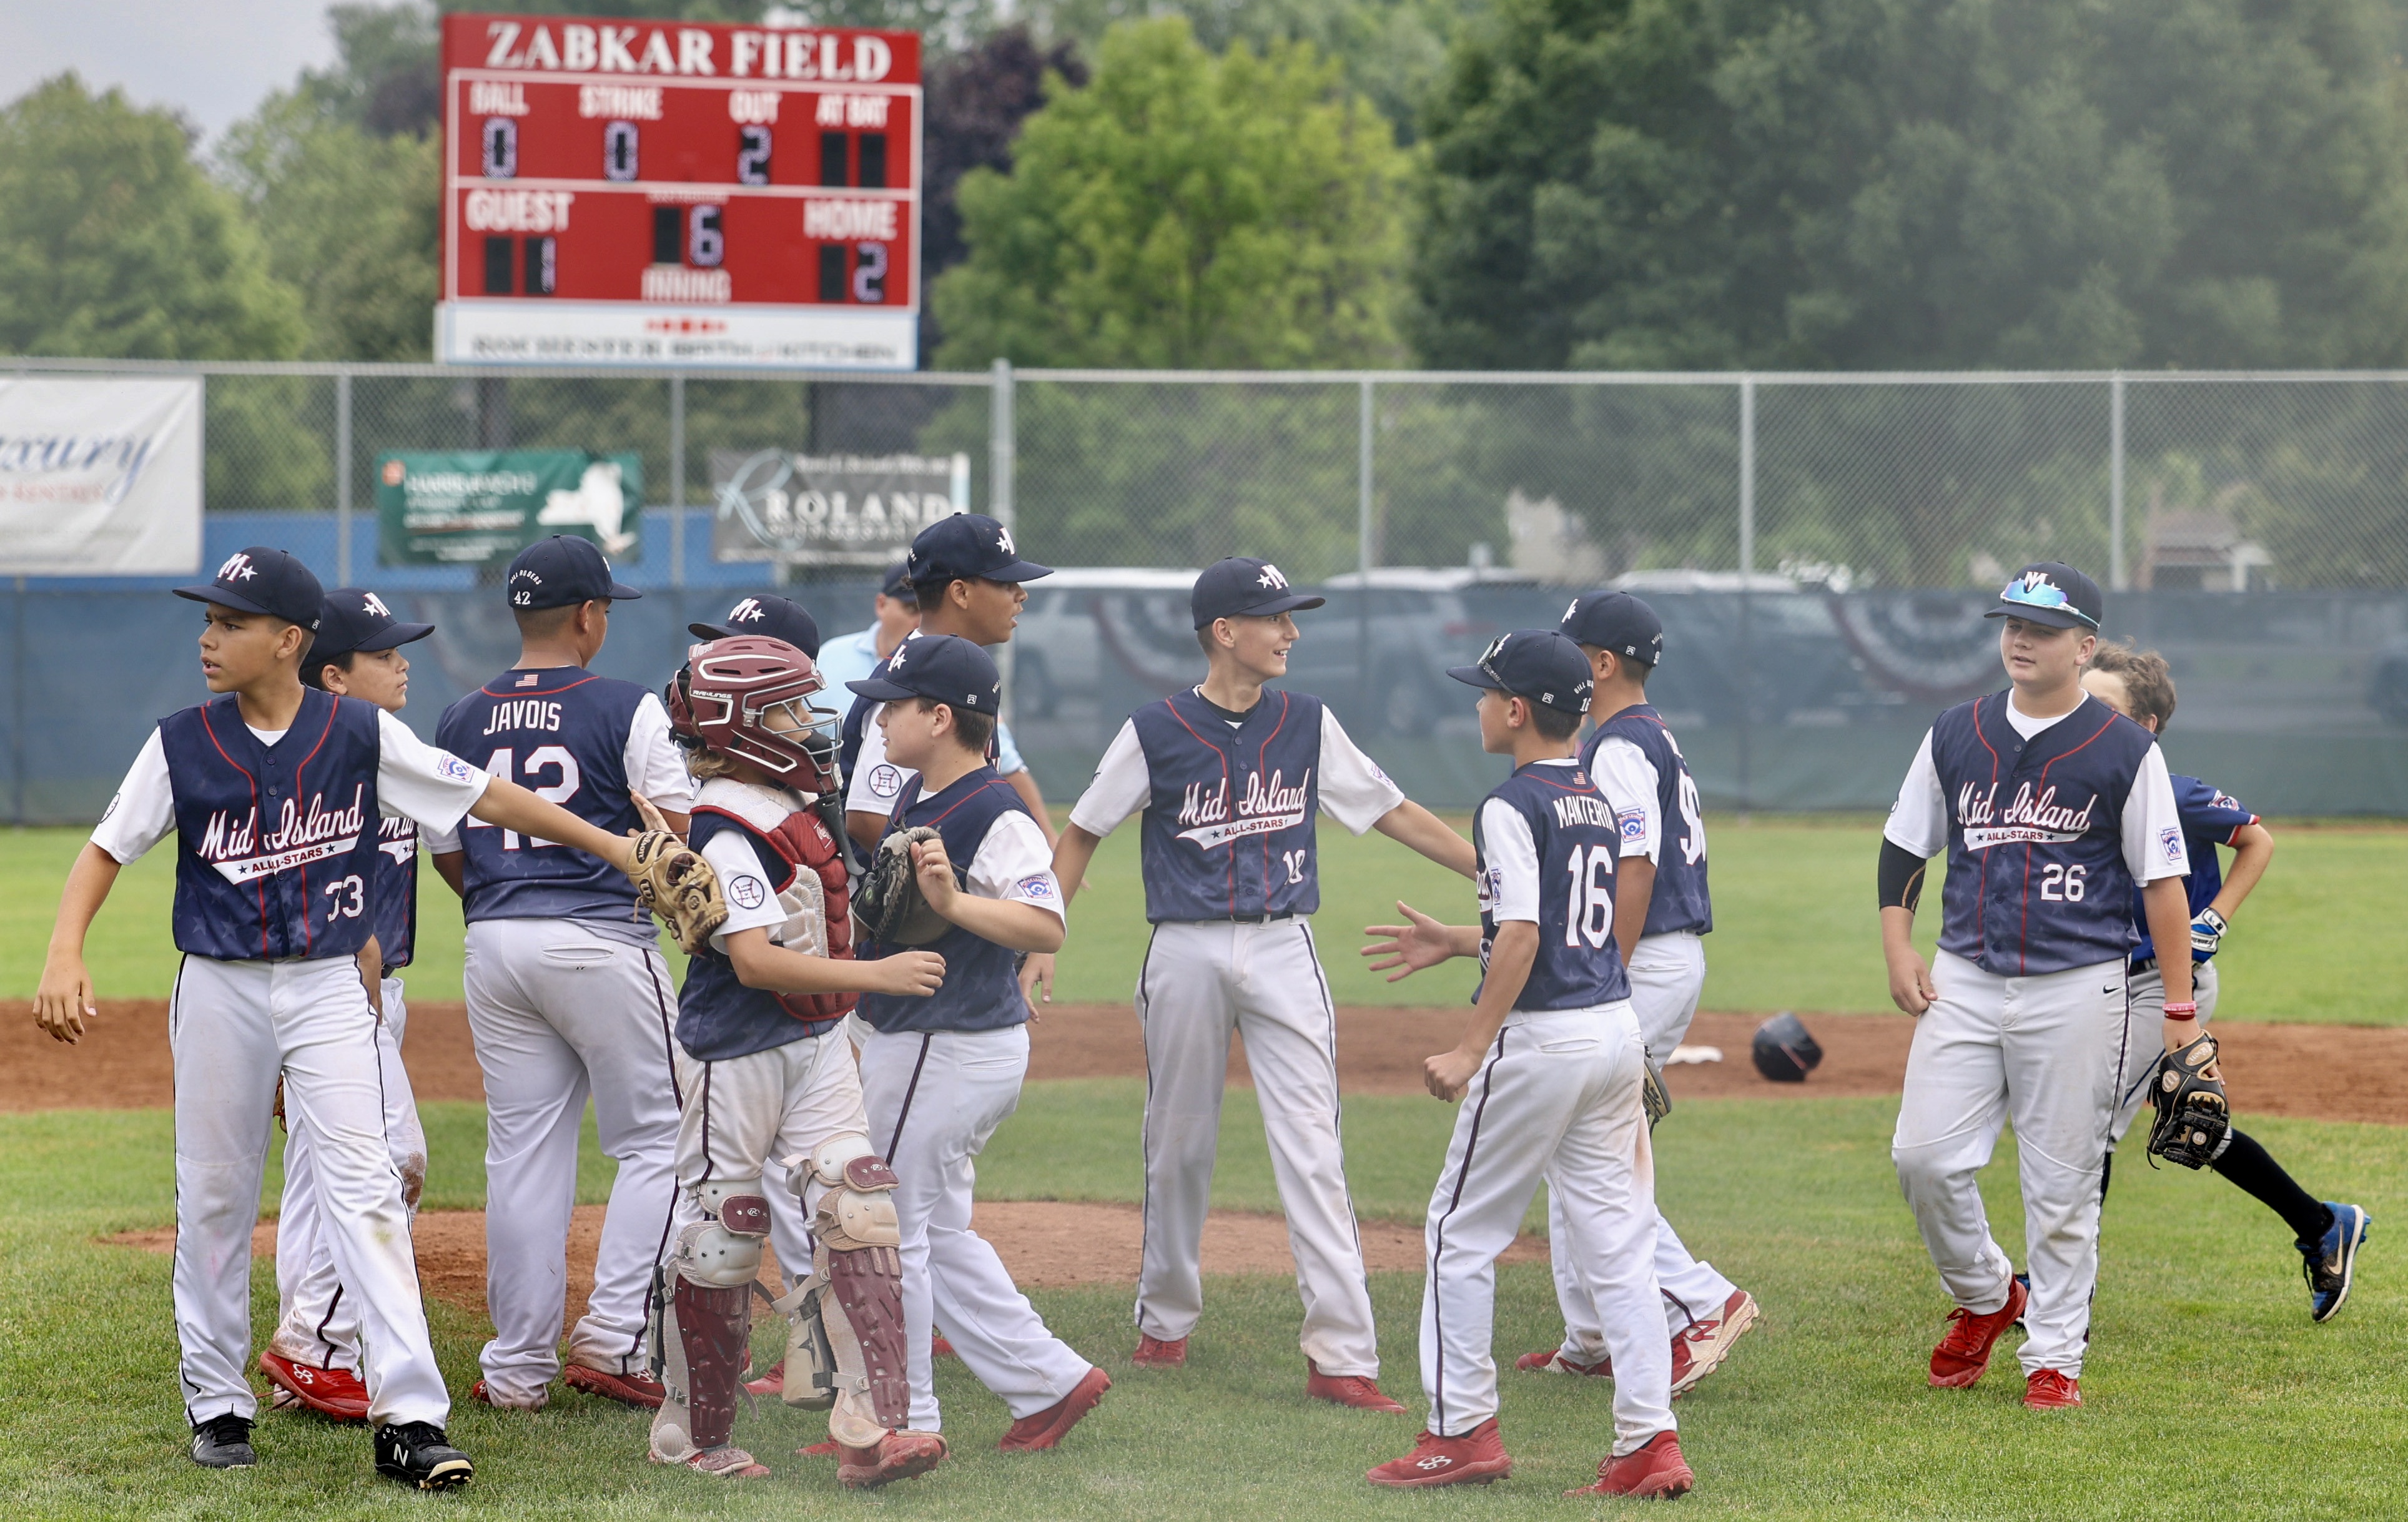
x,y
623,192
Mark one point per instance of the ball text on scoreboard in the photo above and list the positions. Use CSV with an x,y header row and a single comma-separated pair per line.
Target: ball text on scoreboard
x,y
628,191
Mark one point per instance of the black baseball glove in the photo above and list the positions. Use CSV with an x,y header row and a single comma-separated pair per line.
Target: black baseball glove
x,y
2193,1119
889,906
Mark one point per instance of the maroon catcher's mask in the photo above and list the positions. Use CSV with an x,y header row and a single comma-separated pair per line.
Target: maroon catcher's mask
x,y
748,698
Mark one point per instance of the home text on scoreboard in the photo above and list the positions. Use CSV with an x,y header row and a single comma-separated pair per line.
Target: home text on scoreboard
x,y
625,191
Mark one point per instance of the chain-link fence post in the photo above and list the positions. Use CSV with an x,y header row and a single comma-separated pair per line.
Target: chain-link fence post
x,y
676,481
1746,576
2116,483
343,478
1000,445
1364,553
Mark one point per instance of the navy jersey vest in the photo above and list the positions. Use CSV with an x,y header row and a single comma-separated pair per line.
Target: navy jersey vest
x,y
1228,832
2209,819
1572,825
719,1018
2037,880
848,752
277,848
1679,900
561,732
982,986
394,891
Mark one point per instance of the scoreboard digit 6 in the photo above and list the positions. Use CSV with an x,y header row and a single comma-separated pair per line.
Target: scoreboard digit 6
x,y
623,192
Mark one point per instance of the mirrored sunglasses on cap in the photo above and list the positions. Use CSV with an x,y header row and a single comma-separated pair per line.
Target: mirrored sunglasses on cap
x,y
2046,595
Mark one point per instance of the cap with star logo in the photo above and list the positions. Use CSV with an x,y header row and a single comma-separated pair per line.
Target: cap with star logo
x,y
1539,666
1242,587
969,547
771,617
354,618
942,667
2052,593
1618,622
260,579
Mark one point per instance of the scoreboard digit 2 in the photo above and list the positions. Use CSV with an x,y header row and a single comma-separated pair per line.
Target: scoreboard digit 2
x,y
621,192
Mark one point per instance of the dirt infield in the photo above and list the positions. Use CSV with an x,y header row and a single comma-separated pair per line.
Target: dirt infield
x,y
2318,1072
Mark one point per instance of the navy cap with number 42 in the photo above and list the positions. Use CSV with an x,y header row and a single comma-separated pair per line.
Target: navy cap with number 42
x,y
942,667
561,572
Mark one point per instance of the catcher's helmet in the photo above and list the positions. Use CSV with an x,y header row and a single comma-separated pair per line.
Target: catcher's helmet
x,y
1784,1051
747,698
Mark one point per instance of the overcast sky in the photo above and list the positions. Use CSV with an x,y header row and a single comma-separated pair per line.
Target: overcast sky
x,y
210,59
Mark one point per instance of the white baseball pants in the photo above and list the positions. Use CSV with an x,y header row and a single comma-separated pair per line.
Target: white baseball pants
x,y
745,1114
317,1322
1559,1096
2145,1041
231,1027
1200,980
935,1097
1667,973
2042,1050
559,1012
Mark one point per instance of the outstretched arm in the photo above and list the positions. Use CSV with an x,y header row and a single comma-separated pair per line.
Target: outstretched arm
x,y
64,1000
514,808
1073,850
1410,824
1421,942
760,963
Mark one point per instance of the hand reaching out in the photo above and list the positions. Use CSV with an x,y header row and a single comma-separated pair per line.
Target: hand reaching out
x,y
1421,943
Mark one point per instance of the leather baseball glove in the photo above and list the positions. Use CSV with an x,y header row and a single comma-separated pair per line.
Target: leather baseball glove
x,y
889,906
1653,1096
2193,1119
675,883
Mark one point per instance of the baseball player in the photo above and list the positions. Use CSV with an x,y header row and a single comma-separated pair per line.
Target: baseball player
x,y
566,989
1661,913
2055,810
270,787
2136,684
1230,775
1552,1066
768,1074
940,1074
313,1358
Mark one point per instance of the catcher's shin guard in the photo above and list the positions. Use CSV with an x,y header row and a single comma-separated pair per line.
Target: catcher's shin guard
x,y
700,1305
847,1348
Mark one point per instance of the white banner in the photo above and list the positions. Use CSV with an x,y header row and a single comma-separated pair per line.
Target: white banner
x,y
100,477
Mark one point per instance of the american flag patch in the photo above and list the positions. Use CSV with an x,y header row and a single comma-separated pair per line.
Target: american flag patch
x,y
529,681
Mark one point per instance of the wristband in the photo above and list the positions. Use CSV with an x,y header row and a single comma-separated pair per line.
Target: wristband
x,y
2187,1011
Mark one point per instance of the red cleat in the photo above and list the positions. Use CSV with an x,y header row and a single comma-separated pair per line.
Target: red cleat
x,y
724,1462
1655,1471
1048,1427
898,1455
1700,1350
940,1349
772,1383
482,1394
2049,1389
1964,1353
1160,1353
1554,1362
329,1392
1356,1391
627,1390
820,1450
1476,1457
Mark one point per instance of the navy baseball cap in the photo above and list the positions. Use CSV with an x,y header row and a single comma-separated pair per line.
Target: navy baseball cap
x,y
2048,592
1618,622
968,547
1238,587
763,614
562,571
942,667
262,581
898,582
1541,665
355,619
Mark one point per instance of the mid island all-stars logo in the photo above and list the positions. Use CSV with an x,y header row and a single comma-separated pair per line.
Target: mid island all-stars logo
x,y
1267,807
235,846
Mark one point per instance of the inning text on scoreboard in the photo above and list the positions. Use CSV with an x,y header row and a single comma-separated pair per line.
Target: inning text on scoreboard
x,y
625,191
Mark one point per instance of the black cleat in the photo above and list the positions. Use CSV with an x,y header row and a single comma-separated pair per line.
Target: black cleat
x,y
223,1442
417,1454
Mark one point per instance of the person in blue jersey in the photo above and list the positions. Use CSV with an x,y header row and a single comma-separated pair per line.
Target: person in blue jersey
x,y
313,1358
2137,684
1661,914
567,992
1550,1075
940,1074
1230,775
272,788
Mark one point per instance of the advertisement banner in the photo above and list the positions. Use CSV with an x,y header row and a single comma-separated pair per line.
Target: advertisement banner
x,y
469,506
829,509
100,477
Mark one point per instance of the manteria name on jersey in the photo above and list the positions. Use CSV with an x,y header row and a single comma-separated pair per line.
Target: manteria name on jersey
x,y
1679,900
278,843
1228,832
1577,845
2036,880
561,732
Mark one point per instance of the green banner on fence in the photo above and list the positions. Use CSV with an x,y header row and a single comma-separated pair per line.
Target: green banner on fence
x,y
466,508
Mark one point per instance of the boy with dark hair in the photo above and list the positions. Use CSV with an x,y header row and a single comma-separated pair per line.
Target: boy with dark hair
x,y
2138,685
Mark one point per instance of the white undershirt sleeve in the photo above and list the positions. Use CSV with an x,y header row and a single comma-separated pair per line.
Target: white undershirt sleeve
x,y
1354,790
2153,837
1122,786
144,809
1918,821
1628,781
416,781
1509,881
745,880
656,766
1014,864
876,782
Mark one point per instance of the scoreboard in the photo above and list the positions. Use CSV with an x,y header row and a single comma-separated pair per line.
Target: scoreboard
x,y
621,192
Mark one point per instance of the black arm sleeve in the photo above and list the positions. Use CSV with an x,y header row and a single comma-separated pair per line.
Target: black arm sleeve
x,y
1901,876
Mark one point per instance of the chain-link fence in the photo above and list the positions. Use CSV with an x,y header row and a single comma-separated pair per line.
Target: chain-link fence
x,y
1821,546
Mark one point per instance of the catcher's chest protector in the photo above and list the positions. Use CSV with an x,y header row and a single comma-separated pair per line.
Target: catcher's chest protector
x,y
807,846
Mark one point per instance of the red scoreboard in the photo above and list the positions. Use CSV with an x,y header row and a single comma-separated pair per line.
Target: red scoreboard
x,y
622,192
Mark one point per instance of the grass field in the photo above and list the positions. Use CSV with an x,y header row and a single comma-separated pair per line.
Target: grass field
x,y
2209,1393
1793,909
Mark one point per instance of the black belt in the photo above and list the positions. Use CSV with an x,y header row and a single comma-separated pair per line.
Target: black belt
x,y
1262,919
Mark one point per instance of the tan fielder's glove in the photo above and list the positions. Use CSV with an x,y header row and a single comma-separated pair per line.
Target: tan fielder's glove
x,y
675,883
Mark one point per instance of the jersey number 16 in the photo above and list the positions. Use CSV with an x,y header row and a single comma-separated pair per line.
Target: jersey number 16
x,y
1590,917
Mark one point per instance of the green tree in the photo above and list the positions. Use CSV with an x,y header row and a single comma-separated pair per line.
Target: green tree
x,y
1185,211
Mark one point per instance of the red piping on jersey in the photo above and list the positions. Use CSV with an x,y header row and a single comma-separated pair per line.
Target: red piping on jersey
x,y
1171,704
1261,753
259,885
1982,889
545,691
2023,954
310,910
